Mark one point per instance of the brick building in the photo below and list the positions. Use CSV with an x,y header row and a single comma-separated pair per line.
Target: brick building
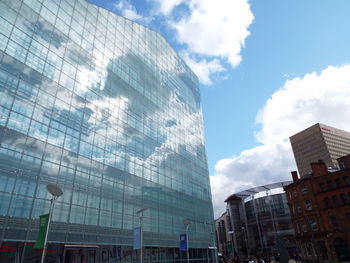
x,y
320,208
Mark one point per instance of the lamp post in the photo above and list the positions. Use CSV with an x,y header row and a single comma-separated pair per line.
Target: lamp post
x,y
213,247
187,223
56,192
140,215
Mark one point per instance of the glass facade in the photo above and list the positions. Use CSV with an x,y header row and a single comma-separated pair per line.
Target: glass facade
x,y
106,109
261,221
269,224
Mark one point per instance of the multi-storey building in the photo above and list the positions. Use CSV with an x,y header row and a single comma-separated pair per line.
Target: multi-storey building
x,y
261,222
223,239
321,212
319,142
107,110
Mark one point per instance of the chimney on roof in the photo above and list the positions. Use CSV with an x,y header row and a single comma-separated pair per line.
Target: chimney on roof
x,y
319,168
295,176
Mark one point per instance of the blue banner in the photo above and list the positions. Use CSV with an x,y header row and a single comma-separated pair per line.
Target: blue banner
x,y
183,242
137,238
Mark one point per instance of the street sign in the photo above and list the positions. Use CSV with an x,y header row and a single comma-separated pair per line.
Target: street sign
x,y
44,219
183,242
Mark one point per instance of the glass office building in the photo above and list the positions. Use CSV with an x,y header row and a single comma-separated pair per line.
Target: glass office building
x,y
106,109
261,221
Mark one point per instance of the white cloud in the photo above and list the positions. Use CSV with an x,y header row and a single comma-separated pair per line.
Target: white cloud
x,y
215,30
254,167
165,7
203,68
128,10
300,103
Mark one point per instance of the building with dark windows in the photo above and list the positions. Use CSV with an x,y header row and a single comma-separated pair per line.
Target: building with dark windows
x,y
321,212
261,222
319,142
223,239
104,108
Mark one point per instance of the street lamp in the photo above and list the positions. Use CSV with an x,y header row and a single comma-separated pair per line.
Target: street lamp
x,y
187,223
210,248
139,213
56,192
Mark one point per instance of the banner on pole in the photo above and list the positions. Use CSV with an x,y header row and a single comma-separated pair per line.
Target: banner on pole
x,y
43,222
137,238
183,242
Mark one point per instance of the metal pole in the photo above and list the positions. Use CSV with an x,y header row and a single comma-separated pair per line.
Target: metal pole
x,y
245,241
140,215
188,248
64,254
270,200
141,254
232,247
246,230
258,224
48,227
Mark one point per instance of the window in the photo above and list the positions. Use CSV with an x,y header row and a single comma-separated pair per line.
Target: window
x,y
323,187
329,184
295,193
335,200
337,182
347,180
304,228
333,220
308,205
293,209
299,209
327,202
348,216
344,199
304,189
313,224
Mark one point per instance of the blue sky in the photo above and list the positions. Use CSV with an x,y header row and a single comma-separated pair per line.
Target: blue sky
x,y
268,69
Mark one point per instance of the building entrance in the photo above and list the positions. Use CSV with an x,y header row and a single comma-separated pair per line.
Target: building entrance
x,y
342,250
79,254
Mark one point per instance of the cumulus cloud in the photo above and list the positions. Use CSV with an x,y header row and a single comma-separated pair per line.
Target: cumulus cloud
x,y
323,97
215,30
129,11
165,7
316,97
253,167
203,68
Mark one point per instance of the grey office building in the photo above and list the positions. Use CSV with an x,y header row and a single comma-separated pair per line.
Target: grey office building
x,y
104,108
319,142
